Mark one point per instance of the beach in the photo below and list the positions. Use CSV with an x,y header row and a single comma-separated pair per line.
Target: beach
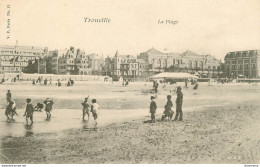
x,y
217,128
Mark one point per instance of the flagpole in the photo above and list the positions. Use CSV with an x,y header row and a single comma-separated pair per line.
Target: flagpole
x,y
14,63
38,66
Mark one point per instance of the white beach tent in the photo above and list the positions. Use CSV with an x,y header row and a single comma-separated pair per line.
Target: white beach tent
x,y
173,75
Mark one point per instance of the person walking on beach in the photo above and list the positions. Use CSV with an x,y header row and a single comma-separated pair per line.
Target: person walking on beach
x,y
45,81
156,86
8,95
29,111
50,81
179,101
10,110
153,108
85,108
59,83
48,107
186,83
94,110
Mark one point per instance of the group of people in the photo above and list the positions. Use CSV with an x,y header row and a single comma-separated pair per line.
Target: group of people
x,y
45,82
125,82
168,112
90,108
10,110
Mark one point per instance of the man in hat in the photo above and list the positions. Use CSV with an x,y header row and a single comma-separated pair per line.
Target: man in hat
x,y
179,101
153,108
48,107
29,111
85,108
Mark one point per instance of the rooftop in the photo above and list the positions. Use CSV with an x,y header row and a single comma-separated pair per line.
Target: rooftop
x,y
153,51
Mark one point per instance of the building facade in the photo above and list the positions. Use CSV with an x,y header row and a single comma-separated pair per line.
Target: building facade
x,y
95,63
185,62
67,64
243,63
54,60
118,60
13,59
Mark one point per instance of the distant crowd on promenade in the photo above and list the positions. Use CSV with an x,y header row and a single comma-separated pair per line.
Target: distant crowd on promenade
x,y
49,79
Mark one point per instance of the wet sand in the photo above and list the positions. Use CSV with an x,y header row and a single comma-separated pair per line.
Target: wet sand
x,y
217,128
227,134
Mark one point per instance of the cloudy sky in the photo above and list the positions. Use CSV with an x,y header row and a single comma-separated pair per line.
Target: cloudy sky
x,y
204,26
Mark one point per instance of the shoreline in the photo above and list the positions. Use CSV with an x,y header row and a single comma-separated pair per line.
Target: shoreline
x,y
213,135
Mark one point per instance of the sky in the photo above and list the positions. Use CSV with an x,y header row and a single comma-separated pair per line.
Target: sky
x,y
213,27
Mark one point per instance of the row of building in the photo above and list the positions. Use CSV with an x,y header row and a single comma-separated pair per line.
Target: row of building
x,y
16,59
153,61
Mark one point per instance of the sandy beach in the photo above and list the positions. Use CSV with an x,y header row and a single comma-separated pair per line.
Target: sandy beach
x,y
217,129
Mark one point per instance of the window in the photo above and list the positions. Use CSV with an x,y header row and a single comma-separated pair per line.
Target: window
x,y
209,67
246,66
196,64
173,61
201,64
165,63
233,67
190,64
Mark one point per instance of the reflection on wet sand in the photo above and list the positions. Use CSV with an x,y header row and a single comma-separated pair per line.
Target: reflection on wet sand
x,y
28,130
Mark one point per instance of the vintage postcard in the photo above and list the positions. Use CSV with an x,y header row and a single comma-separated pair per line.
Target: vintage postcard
x,y
130,82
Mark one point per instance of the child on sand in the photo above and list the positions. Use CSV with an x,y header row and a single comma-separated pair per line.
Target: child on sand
x,y
153,108
94,110
168,111
85,108
29,111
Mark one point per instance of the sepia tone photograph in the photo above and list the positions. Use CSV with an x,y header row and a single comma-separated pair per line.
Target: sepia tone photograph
x,y
130,82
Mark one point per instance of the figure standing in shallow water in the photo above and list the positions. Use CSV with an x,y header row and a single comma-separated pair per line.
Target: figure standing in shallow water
x,y
29,111
10,110
8,95
94,110
85,108
48,107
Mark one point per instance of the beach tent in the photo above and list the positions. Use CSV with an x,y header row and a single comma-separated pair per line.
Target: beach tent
x,y
173,75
